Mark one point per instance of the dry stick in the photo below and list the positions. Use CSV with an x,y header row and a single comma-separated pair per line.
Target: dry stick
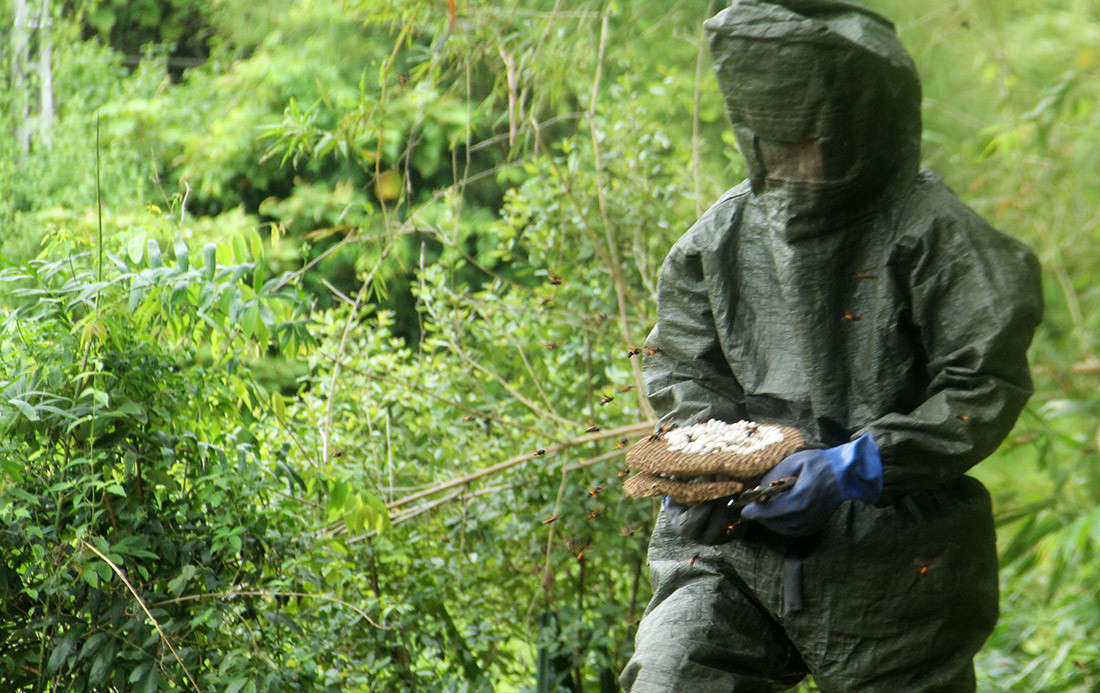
x,y
644,426
259,593
326,429
141,603
340,527
621,292
595,460
336,292
424,507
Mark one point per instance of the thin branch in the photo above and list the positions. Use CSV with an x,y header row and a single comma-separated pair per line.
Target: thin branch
x,y
511,390
595,460
336,292
581,215
457,405
696,121
141,603
260,593
339,528
520,459
530,371
621,289
367,282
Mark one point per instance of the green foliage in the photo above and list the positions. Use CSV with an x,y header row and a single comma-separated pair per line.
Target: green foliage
x,y
177,26
476,207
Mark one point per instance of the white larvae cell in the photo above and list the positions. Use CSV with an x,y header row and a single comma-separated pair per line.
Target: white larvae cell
x,y
740,437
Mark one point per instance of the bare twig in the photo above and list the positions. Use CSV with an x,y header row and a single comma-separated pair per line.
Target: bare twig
x,y
595,460
419,510
530,371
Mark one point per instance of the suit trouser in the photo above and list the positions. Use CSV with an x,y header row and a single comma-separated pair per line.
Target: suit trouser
x,y
895,599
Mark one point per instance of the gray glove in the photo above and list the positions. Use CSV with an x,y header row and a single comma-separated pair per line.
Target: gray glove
x,y
712,522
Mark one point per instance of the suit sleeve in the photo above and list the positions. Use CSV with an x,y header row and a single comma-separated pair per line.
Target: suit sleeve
x,y
686,375
976,300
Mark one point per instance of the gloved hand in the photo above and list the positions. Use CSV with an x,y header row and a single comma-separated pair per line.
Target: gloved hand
x,y
706,523
825,479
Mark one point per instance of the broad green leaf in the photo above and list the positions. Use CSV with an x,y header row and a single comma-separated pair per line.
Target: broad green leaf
x,y
62,651
256,244
92,644
132,410
102,662
149,681
140,671
258,274
135,248
278,406
153,252
250,319
240,251
24,408
183,259
210,258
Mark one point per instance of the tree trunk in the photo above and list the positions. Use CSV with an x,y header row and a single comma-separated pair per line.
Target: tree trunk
x,y
31,62
20,56
45,75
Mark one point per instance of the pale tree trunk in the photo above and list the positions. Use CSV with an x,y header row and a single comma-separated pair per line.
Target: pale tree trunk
x,y
45,75
20,57
32,74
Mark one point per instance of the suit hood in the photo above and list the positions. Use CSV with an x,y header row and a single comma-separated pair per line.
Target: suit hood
x,y
824,102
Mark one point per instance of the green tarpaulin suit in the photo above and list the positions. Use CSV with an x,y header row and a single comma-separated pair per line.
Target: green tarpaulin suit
x,y
843,291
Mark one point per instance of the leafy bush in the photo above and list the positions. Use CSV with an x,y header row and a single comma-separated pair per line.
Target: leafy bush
x,y
141,531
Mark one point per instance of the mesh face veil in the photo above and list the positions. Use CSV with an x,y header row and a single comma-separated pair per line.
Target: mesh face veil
x,y
793,162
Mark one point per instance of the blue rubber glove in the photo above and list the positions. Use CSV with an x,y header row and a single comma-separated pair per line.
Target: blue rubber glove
x,y
711,522
825,479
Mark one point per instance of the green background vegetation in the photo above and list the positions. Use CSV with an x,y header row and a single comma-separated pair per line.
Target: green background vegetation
x,y
293,404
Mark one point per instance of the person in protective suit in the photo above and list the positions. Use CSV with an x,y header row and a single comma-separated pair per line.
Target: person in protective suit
x,y
845,292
